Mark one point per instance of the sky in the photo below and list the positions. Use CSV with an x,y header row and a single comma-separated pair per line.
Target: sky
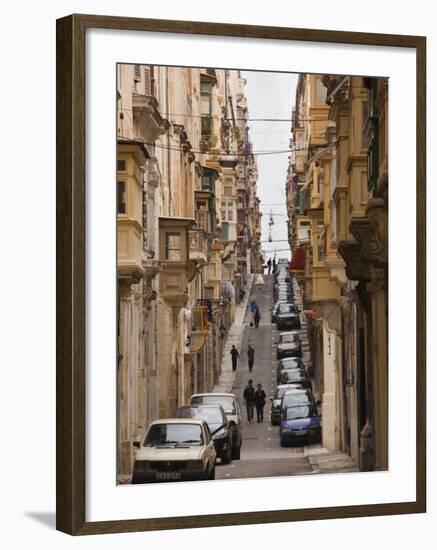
x,y
271,95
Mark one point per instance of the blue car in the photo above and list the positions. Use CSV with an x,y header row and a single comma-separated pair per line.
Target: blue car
x,y
300,423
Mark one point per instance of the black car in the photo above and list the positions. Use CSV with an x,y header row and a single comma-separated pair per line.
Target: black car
x,y
287,317
278,303
283,277
289,345
286,376
290,363
218,424
283,285
283,296
295,376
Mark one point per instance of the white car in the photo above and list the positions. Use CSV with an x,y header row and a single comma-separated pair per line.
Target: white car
x,y
175,449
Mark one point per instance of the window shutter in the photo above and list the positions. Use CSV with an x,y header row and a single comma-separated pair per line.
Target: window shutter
x,y
147,81
137,73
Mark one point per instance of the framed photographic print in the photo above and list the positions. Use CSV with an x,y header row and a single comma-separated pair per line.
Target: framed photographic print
x,y
240,274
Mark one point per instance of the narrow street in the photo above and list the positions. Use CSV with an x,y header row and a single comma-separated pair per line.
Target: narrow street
x,y
261,453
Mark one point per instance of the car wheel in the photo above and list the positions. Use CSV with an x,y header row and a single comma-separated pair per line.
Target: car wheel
x,y
236,454
227,458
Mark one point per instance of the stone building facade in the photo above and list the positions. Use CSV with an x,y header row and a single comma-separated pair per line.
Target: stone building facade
x,y
337,198
185,173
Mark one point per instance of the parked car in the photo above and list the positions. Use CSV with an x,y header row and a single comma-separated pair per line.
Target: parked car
x,y
287,317
275,414
282,284
294,376
283,297
175,449
300,423
297,397
218,425
232,409
289,345
290,363
278,303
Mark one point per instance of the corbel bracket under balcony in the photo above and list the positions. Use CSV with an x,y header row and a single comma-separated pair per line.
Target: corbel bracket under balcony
x,y
357,269
371,232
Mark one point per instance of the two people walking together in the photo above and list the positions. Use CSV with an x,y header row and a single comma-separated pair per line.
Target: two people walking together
x,y
250,357
254,398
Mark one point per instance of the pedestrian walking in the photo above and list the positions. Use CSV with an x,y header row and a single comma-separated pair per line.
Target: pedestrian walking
x,y
274,265
269,266
259,400
253,308
257,318
234,355
249,394
250,356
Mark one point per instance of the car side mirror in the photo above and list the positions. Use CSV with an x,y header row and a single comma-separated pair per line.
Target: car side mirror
x,y
136,444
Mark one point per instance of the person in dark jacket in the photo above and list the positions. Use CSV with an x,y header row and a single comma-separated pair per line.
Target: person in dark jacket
x,y
259,400
257,318
269,266
250,356
249,393
234,356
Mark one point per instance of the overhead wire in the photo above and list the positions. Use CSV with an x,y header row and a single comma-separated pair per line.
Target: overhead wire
x,y
238,154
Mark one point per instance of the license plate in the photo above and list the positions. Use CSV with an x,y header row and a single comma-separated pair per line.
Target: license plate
x,y
301,432
168,475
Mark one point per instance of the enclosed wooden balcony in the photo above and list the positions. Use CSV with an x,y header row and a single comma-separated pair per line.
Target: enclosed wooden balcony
x,y
198,247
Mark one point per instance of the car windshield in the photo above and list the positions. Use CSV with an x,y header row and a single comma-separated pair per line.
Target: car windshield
x,y
174,434
280,392
287,308
295,398
289,375
291,362
210,415
301,411
289,338
226,401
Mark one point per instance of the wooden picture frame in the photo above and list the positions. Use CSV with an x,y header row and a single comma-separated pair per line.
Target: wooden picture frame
x,y
71,253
